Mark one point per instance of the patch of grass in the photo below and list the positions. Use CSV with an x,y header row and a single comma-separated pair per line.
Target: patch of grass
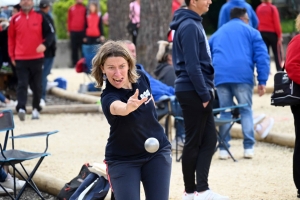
x,y
288,25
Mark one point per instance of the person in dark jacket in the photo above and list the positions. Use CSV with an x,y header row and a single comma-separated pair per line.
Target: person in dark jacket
x,y
194,89
165,70
292,64
50,51
29,34
76,27
129,108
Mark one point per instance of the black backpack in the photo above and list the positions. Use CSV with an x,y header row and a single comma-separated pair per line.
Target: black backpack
x,y
69,189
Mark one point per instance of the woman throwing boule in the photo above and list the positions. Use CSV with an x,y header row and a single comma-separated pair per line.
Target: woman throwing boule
x,y
128,106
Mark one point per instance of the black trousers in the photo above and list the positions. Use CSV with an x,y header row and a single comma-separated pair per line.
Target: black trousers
x,y
200,140
296,158
271,39
76,44
29,72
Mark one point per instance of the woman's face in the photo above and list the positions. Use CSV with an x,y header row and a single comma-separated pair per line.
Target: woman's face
x,y
116,70
92,8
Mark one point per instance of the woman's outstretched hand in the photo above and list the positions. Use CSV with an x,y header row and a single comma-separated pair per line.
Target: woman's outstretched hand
x,y
133,102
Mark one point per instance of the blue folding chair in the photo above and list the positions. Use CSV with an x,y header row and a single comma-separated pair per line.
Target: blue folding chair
x,y
11,157
222,121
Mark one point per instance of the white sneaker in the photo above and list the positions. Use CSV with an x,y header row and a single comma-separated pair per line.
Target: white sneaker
x,y
21,114
9,183
2,192
188,196
42,103
35,114
10,104
51,85
258,118
223,155
249,153
209,195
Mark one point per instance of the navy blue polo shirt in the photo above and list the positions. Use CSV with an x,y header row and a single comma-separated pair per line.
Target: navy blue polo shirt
x,y
129,133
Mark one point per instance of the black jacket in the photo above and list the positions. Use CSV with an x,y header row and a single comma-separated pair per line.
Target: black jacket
x,y
50,51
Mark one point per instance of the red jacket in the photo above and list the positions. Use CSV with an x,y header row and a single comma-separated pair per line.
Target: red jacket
x,y
292,62
93,25
269,20
76,17
26,33
175,6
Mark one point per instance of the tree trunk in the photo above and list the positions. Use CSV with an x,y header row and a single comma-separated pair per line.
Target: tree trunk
x,y
155,20
118,19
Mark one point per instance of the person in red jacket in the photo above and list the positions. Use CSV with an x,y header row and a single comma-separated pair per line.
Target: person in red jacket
x,y
76,28
94,26
292,66
270,29
29,34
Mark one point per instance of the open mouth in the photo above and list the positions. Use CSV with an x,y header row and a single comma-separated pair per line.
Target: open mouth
x,y
118,80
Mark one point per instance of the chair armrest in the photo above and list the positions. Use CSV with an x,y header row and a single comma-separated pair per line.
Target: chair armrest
x,y
29,135
162,103
229,108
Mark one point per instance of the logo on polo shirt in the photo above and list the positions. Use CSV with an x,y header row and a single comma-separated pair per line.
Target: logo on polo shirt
x,y
146,94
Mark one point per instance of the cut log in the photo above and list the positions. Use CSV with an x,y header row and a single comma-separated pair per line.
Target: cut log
x,y
43,181
84,98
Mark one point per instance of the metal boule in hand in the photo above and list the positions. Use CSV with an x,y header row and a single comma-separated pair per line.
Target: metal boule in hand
x,y
151,145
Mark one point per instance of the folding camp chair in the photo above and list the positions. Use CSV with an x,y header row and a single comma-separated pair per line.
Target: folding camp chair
x,y
163,109
222,121
11,157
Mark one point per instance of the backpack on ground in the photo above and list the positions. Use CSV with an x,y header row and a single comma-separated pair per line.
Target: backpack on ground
x,y
94,187
68,190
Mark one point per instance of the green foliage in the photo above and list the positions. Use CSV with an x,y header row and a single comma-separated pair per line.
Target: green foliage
x,y
288,25
60,12
103,8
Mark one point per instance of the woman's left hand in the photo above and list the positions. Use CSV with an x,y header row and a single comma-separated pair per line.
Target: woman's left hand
x,y
133,102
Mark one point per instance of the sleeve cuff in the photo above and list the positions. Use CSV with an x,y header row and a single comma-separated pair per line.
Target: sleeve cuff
x,y
262,82
205,97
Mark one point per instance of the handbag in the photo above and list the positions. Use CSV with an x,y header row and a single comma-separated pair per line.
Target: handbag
x,y
286,91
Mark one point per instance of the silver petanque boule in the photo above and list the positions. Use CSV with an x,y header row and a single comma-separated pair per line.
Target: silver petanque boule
x,y
151,145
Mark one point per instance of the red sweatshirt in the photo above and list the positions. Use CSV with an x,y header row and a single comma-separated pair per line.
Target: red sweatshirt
x,y
93,21
292,62
76,17
26,33
269,20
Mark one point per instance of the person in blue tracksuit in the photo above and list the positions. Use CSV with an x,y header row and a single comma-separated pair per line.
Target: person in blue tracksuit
x,y
129,108
236,48
194,89
224,15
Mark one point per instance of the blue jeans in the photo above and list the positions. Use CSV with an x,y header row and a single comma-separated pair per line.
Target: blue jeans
x,y
46,71
89,51
3,175
2,98
243,93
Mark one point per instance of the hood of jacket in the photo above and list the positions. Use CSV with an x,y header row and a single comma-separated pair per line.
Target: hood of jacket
x,y
160,67
181,15
238,2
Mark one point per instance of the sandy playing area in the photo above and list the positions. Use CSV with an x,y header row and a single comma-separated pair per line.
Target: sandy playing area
x,y
82,138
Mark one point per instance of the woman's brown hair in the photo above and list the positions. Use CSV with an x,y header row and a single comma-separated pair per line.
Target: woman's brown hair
x,y
112,49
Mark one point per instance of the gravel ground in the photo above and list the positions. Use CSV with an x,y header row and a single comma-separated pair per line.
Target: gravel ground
x,y
82,138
